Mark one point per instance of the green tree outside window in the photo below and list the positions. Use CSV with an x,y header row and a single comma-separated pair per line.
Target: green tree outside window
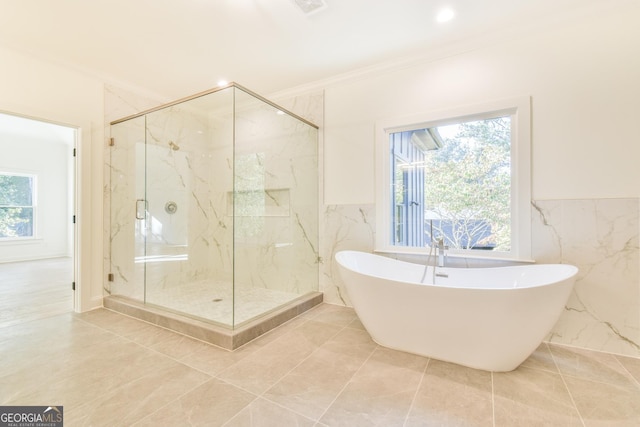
x,y
16,205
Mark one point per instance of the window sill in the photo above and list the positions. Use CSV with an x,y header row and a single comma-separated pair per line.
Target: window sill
x,y
20,241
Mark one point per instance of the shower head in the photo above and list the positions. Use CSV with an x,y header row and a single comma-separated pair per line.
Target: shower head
x,y
174,146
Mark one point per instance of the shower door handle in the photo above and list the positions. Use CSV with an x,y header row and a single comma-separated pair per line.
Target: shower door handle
x,y
141,208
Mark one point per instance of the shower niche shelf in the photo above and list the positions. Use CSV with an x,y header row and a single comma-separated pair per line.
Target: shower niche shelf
x,y
259,203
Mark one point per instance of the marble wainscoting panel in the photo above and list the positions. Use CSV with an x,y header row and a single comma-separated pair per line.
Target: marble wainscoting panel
x,y
600,237
343,227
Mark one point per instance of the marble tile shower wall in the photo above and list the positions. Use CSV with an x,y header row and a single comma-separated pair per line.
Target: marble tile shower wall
x,y
600,236
276,217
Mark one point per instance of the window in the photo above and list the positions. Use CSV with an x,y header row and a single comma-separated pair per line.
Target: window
x,y
462,176
17,205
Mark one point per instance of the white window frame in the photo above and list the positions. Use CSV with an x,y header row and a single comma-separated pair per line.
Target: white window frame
x,y
519,109
34,205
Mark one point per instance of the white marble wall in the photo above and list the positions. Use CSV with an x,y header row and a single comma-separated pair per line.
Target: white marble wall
x,y
600,237
276,225
344,227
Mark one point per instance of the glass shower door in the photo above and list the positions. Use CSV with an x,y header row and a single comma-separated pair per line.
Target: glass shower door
x,y
127,208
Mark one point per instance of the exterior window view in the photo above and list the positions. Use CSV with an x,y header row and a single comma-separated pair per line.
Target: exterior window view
x,y
453,182
17,206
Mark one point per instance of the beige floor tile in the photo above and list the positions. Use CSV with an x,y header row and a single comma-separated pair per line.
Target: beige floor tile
x,y
314,384
180,346
85,374
33,290
134,329
605,404
263,368
541,359
452,395
531,397
275,334
380,393
43,356
210,404
262,413
213,360
134,400
333,314
632,365
38,341
356,324
54,332
591,365
111,321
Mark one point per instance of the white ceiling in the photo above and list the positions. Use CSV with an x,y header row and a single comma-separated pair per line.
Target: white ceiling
x,y
175,48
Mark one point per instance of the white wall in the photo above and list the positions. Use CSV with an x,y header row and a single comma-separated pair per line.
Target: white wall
x,y
583,80
56,93
50,161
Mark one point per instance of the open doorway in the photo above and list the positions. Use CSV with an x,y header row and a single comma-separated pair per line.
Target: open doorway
x,y
37,219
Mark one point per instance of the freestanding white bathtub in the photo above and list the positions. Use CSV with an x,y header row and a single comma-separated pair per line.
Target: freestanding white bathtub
x,y
485,318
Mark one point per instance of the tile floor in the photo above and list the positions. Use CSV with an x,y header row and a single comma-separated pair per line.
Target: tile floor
x,y
35,289
320,369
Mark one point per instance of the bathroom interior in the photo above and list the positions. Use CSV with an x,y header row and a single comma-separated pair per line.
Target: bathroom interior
x,y
165,210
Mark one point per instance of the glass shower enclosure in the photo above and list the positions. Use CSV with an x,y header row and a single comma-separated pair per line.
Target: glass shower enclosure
x,y
214,207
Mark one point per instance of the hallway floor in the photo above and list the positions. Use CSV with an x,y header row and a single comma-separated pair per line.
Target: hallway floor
x,y
35,289
320,369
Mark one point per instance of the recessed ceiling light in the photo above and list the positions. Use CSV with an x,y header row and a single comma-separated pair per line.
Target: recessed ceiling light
x,y
222,83
445,15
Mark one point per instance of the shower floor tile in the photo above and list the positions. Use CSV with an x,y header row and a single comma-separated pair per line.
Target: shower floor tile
x,y
214,301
